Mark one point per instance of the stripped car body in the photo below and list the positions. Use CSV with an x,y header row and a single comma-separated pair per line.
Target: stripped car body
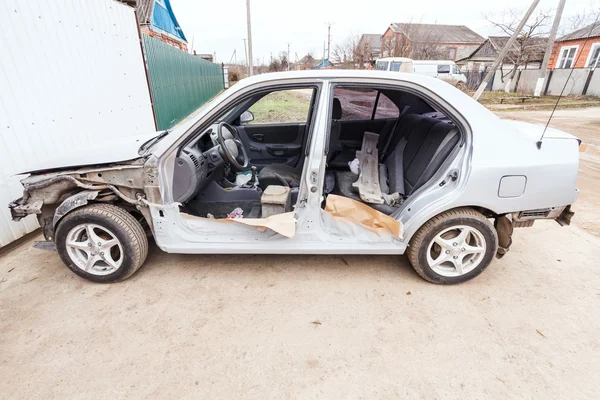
x,y
492,168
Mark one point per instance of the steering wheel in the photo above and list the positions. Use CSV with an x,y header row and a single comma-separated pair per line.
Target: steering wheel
x,y
232,149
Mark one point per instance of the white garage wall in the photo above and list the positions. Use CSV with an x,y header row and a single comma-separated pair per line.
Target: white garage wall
x,y
71,73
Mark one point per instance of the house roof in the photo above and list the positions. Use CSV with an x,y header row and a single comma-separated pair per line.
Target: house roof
x,y
535,47
581,33
372,39
160,16
437,33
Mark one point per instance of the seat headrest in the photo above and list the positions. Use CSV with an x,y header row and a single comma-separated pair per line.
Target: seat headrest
x,y
336,113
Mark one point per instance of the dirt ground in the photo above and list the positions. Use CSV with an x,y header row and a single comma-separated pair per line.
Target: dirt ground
x,y
312,326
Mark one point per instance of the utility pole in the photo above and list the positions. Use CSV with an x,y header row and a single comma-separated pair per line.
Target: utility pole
x,y
542,79
504,50
328,40
288,57
246,53
250,66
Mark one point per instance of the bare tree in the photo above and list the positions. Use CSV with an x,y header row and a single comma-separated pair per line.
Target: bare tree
x,y
577,21
414,40
529,41
278,63
344,53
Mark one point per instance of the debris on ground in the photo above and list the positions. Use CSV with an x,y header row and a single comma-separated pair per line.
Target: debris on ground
x,y
317,322
540,333
236,213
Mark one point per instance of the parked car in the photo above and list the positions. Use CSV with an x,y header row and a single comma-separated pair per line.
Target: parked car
x,y
395,64
445,70
310,162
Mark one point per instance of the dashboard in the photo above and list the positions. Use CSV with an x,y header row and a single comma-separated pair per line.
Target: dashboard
x,y
196,163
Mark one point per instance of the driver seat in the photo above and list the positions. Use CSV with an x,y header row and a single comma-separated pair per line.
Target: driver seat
x,y
279,174
275,174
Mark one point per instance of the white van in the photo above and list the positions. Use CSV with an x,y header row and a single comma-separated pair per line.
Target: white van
x,y
398,64
445,70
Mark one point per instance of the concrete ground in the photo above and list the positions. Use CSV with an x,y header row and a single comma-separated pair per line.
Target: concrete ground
x,y
311,326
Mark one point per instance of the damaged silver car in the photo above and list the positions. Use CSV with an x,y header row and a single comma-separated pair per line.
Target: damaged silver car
x,y
319,162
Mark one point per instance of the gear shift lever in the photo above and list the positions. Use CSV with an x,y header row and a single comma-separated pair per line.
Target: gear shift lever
x,y
252,181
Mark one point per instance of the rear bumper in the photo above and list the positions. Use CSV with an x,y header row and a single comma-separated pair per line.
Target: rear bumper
x,y
562,215
565,216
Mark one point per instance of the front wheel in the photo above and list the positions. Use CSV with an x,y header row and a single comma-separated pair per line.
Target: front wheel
x,y
453,247
101,242
461,86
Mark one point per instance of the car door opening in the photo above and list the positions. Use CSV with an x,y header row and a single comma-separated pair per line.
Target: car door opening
x,y
384,145
248,163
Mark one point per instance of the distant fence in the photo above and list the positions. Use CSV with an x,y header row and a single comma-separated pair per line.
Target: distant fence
x,y
583,81
180,82
474,79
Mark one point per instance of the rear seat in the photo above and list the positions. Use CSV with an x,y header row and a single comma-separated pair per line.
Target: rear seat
x,y
420,146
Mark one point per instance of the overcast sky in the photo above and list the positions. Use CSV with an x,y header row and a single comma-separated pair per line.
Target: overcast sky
x,y
220,26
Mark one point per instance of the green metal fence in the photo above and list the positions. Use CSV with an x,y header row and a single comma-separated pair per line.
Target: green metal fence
x,y
180,82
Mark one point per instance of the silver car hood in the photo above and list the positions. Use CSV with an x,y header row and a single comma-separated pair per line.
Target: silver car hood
x,y
100,152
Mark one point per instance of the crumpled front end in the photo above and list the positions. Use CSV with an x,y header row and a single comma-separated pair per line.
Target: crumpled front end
x,y
52,195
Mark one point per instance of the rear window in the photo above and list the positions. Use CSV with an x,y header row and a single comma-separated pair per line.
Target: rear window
x,y
358,104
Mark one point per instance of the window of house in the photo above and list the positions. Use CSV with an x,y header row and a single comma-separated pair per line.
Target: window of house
x,y
443,69
395,66
594,58
282,106
359,103
567,56
452,53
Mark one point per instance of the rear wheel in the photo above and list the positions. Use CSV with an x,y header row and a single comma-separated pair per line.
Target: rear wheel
x,y
453,247
101,242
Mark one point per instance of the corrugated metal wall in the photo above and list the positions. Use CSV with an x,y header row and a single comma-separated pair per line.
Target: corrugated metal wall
x,y
180,82
71,72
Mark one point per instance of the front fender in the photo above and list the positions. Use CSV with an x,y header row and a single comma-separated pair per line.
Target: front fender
x,y
77,200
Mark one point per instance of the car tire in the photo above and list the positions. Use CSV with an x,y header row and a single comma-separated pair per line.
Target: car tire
x,y
461,86
453,247
118,249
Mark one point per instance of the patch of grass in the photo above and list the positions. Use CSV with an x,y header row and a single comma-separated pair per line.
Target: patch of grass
x,y
513,98
282,106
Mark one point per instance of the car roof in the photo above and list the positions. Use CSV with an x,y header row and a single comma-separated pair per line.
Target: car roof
x,y
328,74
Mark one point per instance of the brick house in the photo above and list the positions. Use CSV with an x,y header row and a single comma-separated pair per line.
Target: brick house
x,y
156,19
429,41
569,50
